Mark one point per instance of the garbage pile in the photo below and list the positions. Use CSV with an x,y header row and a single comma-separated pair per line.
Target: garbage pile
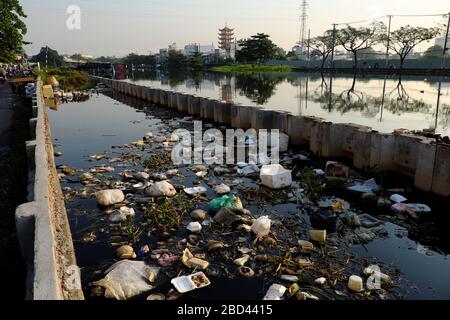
x,y
187,225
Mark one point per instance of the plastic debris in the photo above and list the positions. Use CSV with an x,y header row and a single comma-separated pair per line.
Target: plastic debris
x,y
368,186
190,261
318,235
195,190
125,252
122,214
109,197
242,261
222,189
320,281
248,170
319,172
198,214
289,278
275,176
167,259
397,198
190,283
161,189
305,246
127,279
261,227
275,292
226,217
355,283
418,207
194,227
231,202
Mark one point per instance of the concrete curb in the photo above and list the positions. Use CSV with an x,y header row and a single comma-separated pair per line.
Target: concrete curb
x,y
42,225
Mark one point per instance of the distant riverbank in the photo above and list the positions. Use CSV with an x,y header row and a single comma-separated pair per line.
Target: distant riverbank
x,y
72,80
252,68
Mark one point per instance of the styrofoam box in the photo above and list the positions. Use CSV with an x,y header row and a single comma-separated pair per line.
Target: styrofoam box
x,y
185,284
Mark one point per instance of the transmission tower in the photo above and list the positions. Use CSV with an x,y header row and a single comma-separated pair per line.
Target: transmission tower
x,y
303,19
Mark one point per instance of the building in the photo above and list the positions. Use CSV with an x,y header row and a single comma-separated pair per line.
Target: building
x,y
193,48
226,38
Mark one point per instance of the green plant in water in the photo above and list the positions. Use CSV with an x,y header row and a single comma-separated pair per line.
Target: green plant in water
x,y
167,214
310,182
132,231
157,160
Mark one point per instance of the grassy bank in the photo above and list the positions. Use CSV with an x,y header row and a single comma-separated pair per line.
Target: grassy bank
x,y
251,68
68,79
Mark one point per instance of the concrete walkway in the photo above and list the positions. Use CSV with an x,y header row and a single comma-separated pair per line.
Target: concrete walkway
x,y
15,112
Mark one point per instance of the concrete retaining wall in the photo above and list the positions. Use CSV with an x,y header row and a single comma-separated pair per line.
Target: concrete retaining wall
x,y
415,157
42,225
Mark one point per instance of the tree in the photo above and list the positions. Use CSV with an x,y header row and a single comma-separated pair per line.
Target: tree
x,y
12,29
196,61
176,60
139,60
356,39
405,39
50,57
256,49
322,46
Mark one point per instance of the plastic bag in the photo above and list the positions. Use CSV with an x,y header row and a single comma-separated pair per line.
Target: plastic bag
x,y
261,227
126,279
231,202
369,186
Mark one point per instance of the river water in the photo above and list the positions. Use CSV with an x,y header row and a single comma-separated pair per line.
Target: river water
x,y
420,251
383,103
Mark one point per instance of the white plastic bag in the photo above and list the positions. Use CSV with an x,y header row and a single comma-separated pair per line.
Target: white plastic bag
x,y
126,279
261,227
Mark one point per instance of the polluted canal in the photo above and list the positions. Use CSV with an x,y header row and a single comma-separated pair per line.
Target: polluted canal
x,y
145,228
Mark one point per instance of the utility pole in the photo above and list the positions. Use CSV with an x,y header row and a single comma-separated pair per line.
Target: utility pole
x,y
334,45
46,58
388,41
308,45
442,67
446,42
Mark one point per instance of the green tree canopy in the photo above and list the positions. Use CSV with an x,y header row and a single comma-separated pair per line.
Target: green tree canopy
x,y
53,58
12,29
176,60
136,59
405,39
256,49
322,46
356,39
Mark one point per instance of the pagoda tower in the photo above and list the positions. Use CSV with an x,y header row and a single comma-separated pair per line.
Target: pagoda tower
x,y
226,38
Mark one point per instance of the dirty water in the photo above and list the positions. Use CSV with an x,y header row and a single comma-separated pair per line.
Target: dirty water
x,y
107,124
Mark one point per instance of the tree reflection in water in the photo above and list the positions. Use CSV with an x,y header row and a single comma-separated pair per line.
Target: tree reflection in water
x,y
399,101
258,88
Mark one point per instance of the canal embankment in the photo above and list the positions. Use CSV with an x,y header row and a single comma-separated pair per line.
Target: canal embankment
x,y
418,158
42,226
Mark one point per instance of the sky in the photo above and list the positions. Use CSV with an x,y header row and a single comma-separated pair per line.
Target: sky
x,y
118,27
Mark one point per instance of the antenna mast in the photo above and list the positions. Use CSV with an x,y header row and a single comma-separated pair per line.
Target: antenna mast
x,y
303,19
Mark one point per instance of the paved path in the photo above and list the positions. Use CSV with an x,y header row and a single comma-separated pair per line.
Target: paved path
x,y
14,114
